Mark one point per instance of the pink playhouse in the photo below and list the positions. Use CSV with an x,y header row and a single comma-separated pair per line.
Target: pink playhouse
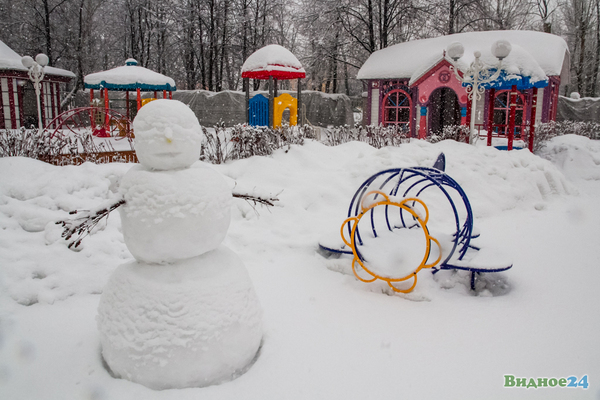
x,y
18,103
412,84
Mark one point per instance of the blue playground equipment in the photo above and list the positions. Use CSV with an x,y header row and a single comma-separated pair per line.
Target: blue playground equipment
x,y
413,183
258,113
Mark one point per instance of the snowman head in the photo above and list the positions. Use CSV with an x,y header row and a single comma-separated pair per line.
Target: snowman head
x,y
167,135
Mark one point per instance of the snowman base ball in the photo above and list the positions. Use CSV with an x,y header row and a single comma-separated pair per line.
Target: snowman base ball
x,y
193,323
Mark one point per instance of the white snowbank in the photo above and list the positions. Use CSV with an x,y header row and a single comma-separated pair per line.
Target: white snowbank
x,y
326,334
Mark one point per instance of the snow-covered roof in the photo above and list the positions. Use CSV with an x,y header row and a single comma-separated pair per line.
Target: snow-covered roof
x,y
129,77
535,55
10,60
272,60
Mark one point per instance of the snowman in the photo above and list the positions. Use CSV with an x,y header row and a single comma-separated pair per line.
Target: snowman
x,y
184,313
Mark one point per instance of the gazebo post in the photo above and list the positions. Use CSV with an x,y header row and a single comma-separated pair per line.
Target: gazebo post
x,y
490,124
300,119
127,107
532,118
171,95
139,99
155,94
92,116
247,94
511,118
106,117
271,102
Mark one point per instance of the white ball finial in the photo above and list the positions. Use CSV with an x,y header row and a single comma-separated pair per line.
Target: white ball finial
x,y
27,61
42,59
455,50
501,49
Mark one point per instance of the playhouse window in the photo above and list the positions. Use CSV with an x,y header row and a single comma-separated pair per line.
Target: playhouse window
x,y
396,108
502,113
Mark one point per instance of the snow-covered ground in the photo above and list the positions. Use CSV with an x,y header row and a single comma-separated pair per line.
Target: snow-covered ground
x,y
327,335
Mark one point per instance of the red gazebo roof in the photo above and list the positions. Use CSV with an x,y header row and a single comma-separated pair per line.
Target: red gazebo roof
x,y
273,61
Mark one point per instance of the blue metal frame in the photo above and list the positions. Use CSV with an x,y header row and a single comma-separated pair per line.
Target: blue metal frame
x,y
419,179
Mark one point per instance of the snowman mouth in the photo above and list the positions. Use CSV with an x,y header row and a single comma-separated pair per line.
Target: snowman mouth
x,y
168,154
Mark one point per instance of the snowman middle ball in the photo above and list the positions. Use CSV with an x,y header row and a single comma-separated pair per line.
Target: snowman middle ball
x,y
174,215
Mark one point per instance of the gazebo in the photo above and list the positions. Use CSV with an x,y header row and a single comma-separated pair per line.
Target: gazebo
x,y
272,63
18,104
128,78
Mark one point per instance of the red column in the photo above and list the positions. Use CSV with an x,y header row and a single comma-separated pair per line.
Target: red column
x,y
92,112
511,118
164,94
139,99
170,95
490,121
423,123
53,97
155,95
127,107
106,122
468,116
532,118
2,126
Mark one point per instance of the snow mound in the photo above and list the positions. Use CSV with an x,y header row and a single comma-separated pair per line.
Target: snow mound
x,y
190,324
577,156
33,196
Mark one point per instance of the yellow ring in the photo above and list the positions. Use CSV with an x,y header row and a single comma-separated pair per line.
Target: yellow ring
x,y
422,222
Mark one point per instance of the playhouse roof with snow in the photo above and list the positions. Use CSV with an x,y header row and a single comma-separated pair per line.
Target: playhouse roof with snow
x,y
412,84
273,60
129,77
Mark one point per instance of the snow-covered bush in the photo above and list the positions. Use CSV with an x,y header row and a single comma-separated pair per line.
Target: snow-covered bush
x,y
377,136
460,133
57,149
548,130
31,143
243,141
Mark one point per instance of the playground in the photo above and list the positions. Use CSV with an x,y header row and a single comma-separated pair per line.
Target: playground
x,y
328,335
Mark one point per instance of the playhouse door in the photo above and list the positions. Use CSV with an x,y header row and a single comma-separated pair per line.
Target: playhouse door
x,y
258,112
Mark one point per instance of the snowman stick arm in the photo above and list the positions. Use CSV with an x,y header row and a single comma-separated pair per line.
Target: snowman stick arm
x,y
266,201
83,226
